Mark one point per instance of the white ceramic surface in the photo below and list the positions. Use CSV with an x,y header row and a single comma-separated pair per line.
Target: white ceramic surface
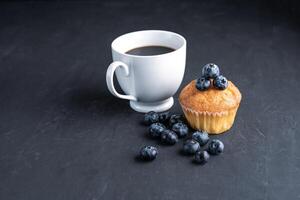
x,y
149,82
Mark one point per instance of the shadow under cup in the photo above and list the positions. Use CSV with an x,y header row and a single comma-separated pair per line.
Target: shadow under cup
x,y
149,82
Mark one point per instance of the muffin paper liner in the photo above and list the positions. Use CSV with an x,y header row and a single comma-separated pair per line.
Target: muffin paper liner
x,y
211,122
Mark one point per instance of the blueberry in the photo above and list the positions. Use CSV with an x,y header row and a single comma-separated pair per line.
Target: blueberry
x,y
151,117
220,82
180,129
169,137
148,153
175,119
201,157
156,129
191,146
210,70
201,137
164,117
215,147
202,83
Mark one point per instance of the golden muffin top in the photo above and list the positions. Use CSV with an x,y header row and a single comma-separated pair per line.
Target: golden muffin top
x,y
211,100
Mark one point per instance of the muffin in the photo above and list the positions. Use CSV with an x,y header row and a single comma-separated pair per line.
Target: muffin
x,y
212,110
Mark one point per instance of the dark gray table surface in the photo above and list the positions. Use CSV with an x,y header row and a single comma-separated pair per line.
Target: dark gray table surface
x,y
64,136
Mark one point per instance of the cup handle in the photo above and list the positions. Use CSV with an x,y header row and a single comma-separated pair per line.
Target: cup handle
x,y
110,79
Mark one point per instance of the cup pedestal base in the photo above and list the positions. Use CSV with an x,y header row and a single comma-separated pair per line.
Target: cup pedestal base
x,y
158,106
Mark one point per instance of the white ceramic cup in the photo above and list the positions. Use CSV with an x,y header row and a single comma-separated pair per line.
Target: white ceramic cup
x,y
149,82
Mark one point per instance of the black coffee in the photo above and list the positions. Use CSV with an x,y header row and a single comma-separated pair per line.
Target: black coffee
x,y
150,50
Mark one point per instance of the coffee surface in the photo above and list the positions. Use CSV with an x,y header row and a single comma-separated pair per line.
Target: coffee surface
x,y
150,50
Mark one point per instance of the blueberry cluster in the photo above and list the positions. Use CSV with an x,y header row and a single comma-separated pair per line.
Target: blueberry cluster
x,y
211,71
169,129
200,139
166,127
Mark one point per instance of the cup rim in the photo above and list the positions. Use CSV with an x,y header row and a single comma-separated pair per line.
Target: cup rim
x,y
113,45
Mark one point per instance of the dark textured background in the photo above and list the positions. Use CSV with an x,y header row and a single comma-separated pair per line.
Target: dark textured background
x,y
64,136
